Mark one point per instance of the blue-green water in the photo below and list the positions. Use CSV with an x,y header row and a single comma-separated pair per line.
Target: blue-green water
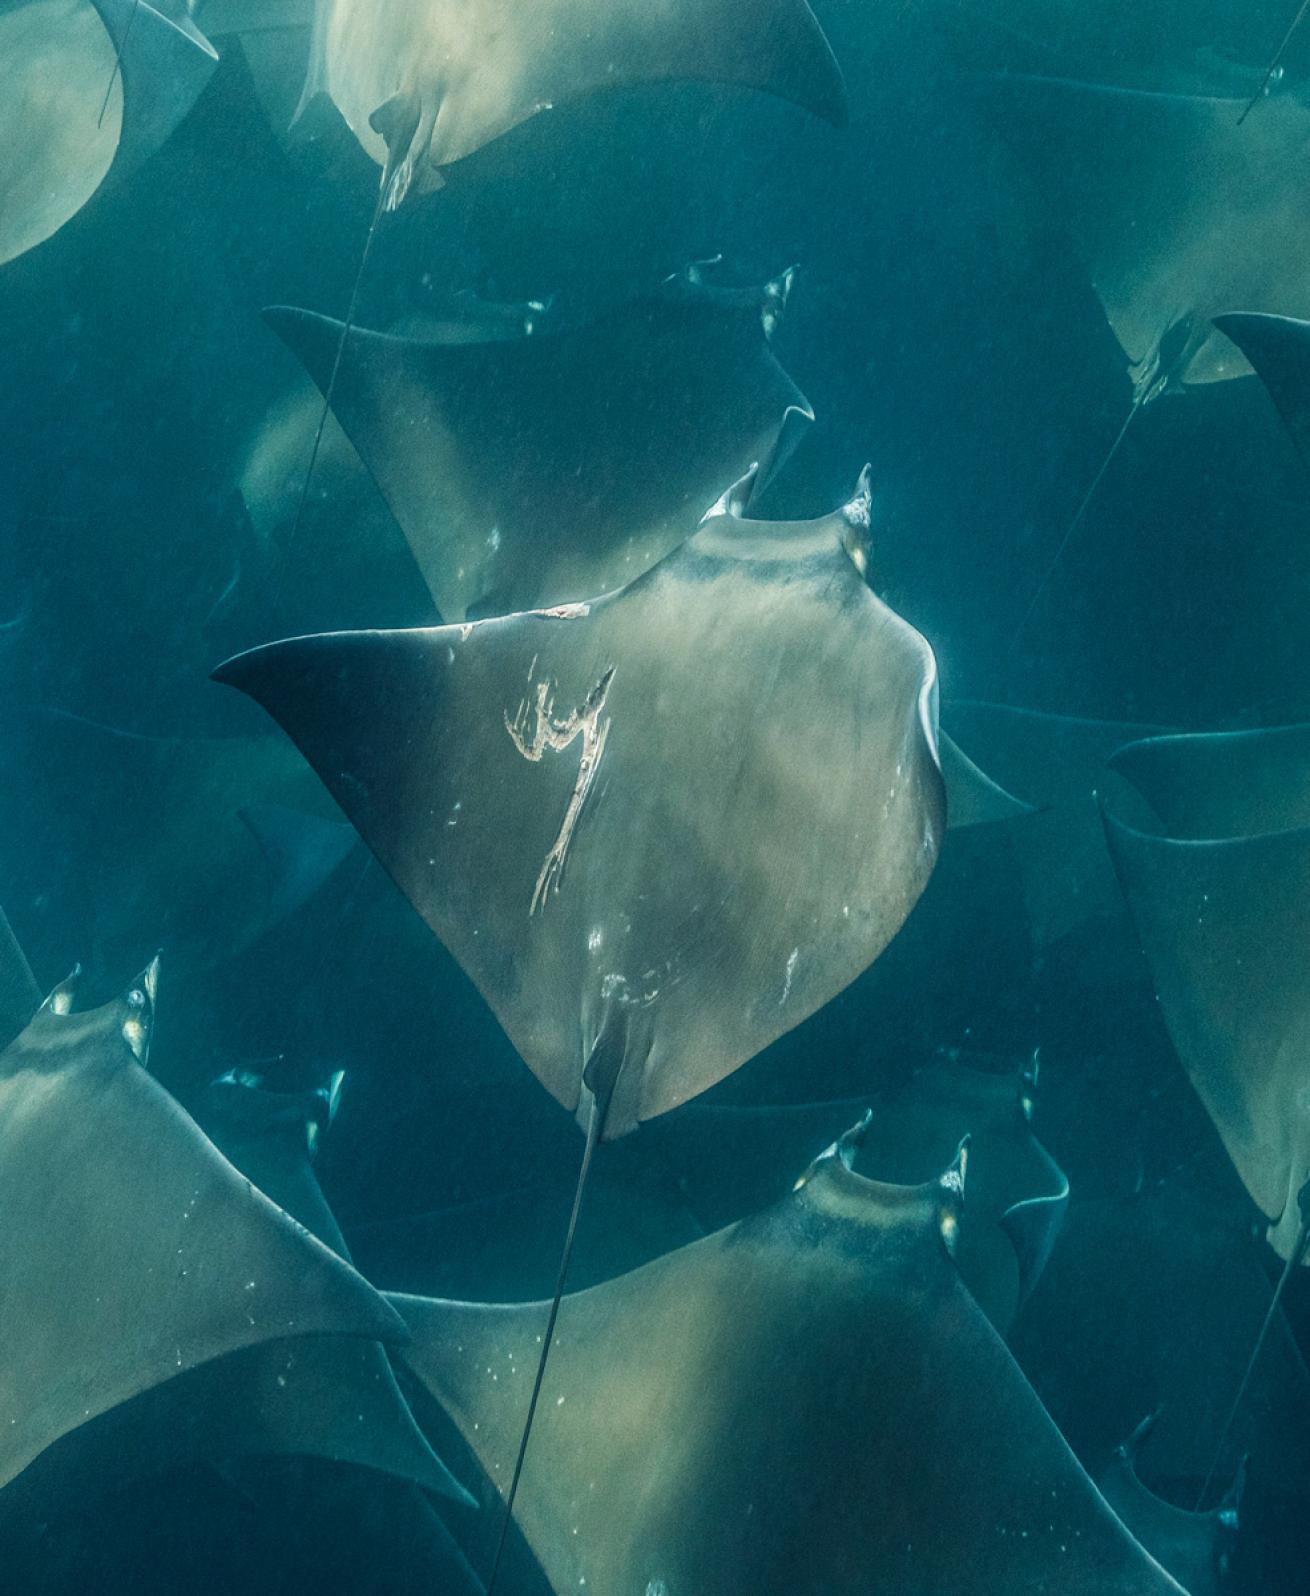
x,y
732,915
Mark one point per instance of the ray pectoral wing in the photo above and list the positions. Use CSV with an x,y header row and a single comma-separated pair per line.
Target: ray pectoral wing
x,y
535,730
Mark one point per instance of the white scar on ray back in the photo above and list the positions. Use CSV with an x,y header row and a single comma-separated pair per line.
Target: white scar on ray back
x,y
555,735
791,970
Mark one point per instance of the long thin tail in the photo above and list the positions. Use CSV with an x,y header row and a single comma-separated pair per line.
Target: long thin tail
x,y
595,1125
346,328
1138,405
119,47
1294,1258
1255,99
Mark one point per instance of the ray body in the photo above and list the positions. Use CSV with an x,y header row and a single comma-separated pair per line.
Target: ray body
x,y
1180,214
1055,763
131,1250
504,1248
1100,1338
782,1407
332,1397
422,84
348,563
62,136
1278,348
659,829
1212,846
1196,1548
1127,43
19,995
731,1161
530,463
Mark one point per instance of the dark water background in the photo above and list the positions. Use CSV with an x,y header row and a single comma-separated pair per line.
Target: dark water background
x,y
967,360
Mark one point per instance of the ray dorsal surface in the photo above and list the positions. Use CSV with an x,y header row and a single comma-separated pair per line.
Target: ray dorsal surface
x,y
658,829
132,1250
783,1407
529,461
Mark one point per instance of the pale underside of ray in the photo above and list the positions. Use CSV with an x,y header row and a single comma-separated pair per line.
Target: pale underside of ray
x,y
1179,213
729,1161
528,467
422,84
131,1250
1192,1546
56,54
659,829
1054,763
1214,858
809,1401
69,114
166,836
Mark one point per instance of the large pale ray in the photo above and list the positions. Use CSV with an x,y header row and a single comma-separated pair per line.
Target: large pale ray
x,y
1055,763
659,829
1195,1547
728,1161
59,63
807,1402
422,83
131,1251
1179,213
530,464
1214,857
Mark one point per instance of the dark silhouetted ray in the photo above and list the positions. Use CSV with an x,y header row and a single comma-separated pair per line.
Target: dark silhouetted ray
x,y
20,997
658,829
422,84
273,36
1194,1547
59,58
530,464
972,797
1055,763
1278,347
200,845
1101,1337
331,1397
131,1250
1180,212
731,1161
809,1401
1212,845
1201,50
505,1248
